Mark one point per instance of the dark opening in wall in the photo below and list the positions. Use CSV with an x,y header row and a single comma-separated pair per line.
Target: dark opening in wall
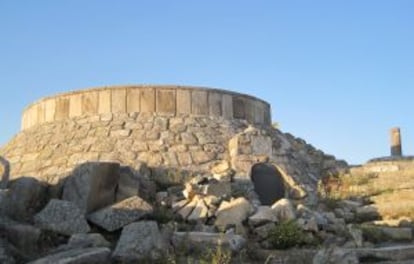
x,y
268,183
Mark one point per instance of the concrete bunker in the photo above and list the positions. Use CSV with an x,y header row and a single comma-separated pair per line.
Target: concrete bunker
x,y
268,183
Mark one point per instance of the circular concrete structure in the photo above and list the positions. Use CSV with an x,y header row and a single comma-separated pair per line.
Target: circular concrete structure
x,y
172,100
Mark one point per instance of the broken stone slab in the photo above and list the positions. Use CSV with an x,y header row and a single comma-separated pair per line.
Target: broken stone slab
x,y
140,241
6,256
94,255
394,253
92,185
356,235
388,233
177,206
218,189
308,224
128,184
263,232
120,214
263,215
185,211
284,210
62,217
206,240
232,213
24,237
25,197
200,212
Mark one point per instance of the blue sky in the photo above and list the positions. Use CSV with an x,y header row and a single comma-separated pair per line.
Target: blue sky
x,y
339,74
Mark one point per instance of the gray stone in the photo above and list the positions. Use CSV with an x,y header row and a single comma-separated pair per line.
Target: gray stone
x,y
335,255
233,213
356,234
263,231
94,255
200,212
6,256
218,189
120,214
207,240
62,217
5,172
128,184
308,224
263,215
88,240
284,210
92,185
394,253
367,213
25,197
138,241
23,236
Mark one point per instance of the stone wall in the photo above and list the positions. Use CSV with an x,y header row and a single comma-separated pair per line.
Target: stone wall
x,y
175,100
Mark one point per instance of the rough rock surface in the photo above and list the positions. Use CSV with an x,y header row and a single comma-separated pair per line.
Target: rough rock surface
x,y
92,185
233,213
120,214
88,240
284,210
62,217
206,240
94,255
138,241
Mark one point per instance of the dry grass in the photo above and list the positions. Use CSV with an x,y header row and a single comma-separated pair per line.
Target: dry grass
x,y
392,192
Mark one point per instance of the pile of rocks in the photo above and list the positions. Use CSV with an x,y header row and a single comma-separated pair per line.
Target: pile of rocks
x,y
106,213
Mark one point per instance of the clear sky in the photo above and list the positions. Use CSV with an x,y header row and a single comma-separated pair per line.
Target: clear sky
x,y
338,74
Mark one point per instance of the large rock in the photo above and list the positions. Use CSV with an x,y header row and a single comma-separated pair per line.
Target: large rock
x,y
95,255
120,214
6,256
200,211
24,237
139,241
92,185
367,213
335,255
233,213
134,181
392,253
263,215
284,210
206,240
25,197
62,217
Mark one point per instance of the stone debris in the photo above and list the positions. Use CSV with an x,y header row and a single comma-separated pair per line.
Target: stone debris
x,y
284,210
62,217
120,214
232,213
203,240
92,185
140,241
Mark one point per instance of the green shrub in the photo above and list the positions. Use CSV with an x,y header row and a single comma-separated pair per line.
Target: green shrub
x,y
217,256
286,235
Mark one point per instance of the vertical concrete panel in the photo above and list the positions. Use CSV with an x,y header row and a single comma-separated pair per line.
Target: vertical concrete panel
x,y
41,113
119,101
249,110
215,104
62,108
104,105
75,105
183,102
166,101
259,111
133,100
199,102
147,99
239,107
90,103
268,115
227,106
50,106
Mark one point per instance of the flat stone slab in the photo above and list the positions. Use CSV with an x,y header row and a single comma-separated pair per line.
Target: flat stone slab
x,y
395,253
96,255
120,214
62,217
205,240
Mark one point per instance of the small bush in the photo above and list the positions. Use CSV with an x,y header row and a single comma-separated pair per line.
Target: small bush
x,y
217,256
286,235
